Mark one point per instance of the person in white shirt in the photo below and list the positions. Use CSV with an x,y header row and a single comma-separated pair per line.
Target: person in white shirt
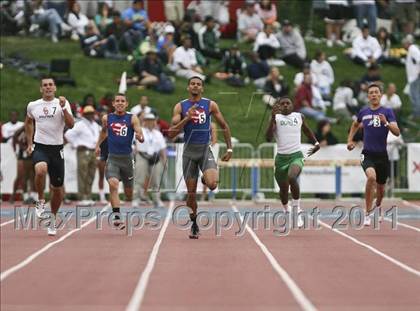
x,y
390,99
393,146
150,160
141,108
77,21
344,103
185,61
292,45
366,49
9,129
412,67
83,137
323,72
50,115
266,43
249,24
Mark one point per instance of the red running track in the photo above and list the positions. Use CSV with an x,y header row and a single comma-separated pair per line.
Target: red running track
x,y
99,270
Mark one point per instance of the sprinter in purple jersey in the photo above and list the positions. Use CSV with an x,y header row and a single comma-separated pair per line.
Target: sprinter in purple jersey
x,y
193,116
119,128
376,121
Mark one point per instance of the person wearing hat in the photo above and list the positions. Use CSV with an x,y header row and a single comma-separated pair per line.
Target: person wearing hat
x,y
165,45
366,49
83,137
292,44
208,38
150,160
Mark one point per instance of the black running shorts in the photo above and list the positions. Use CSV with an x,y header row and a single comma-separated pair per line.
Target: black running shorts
x,y
53,155
379,162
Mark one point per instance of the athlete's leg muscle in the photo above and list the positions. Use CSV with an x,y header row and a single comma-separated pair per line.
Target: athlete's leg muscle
x,y
370,187
41,169
113,191
57,194
211,177
293,174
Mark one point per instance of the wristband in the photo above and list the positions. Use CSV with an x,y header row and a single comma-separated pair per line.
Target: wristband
x,y
387,124
317,143
229,150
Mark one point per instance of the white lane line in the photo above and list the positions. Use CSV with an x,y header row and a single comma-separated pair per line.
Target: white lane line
x,y
410,204
297,293
32,257
404,225
374,250
138,295
7,222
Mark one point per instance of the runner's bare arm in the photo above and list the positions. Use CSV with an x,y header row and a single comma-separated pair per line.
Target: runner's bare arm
x,y
15,137
213,134
216,113
269,133
29,130
354,127
177,122
392,126
68,117
308,133
136,125
102,135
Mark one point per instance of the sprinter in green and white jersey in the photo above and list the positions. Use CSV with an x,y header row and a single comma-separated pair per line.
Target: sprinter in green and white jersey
x,y
287,125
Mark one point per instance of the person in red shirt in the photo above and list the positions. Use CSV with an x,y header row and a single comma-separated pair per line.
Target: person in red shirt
x,y
303,100
163,126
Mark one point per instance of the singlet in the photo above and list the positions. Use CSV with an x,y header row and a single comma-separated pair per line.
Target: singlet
x,y
288,132
198,129
120,133
49,120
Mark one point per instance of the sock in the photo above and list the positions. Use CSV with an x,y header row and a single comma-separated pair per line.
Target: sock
x,y
296,203
286,207
42,201
116,210
25,195
34,195
101,195
193,217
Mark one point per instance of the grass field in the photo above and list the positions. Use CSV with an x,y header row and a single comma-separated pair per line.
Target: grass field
x,y
242,108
